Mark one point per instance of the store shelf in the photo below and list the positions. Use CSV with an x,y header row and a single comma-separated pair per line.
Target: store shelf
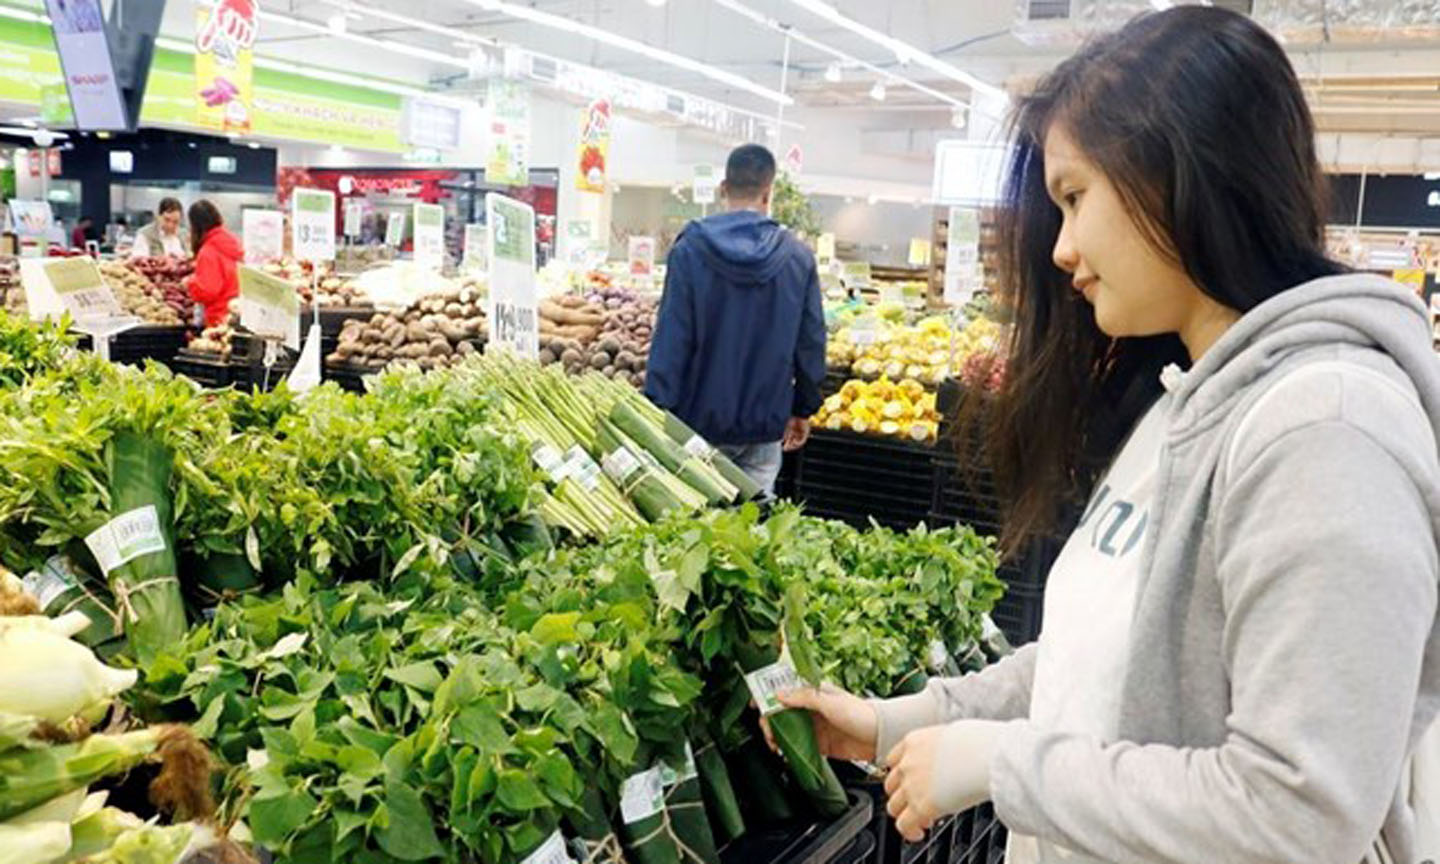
x,y
207,370
161,344
805,843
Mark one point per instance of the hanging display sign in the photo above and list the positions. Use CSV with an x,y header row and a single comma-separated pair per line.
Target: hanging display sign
x,y
354,218
513,308
74,285
594,153
642,256
263,233
509,162
704,184
225,32
476,246
794,160
855,275
395,230
269,306
430,236
312,221
31,218
79,30
964,276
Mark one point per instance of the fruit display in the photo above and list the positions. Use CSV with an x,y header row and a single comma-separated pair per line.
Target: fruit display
x,y
214,341
619,348
138,296
435,331
884,407
983,370
928,352
168,274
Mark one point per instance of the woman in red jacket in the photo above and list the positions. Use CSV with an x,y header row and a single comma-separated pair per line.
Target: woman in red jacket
x,y
216,281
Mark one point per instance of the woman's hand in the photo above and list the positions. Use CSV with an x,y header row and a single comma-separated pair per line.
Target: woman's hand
x,y
845,726
938,771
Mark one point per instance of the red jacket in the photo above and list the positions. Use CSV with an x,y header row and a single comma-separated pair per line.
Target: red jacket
x,y
216,281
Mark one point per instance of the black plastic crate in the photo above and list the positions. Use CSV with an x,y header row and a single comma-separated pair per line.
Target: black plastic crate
x,y
862,850
207,370
891,848
136,345
979,837
347,377
1018,614
803,842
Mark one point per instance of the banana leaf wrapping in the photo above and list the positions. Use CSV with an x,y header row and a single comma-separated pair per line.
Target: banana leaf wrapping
x,y
64,587
723,807
650,840
594,832
685,808
682,434
145,587
761,780
671,455
913,682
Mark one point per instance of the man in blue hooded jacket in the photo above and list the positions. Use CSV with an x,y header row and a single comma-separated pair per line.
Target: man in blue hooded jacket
x,y
739,349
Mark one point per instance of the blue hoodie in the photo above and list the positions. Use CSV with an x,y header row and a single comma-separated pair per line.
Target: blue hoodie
x,y
740,344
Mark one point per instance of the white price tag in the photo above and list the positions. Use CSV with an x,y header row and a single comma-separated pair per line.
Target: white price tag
x,y
582,468
704,184
620,464
552,851
475,247
354,216
938,655
863,330
80,287
269,306
699,447
312,222
50,581
395,230
264,234
514,318
765,684
642,796
430,236
669,776
548,458
125,538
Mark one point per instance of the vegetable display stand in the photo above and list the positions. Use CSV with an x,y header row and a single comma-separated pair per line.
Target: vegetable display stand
x,y
805,842
133,347
854,478
979,838
207,370
332,320
347,377
247,364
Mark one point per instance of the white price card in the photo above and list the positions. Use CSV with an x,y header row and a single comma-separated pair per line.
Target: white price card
x,y
938,655
125,538
642,796
77,284
825,247
767,683
263,232
514,313
51,581
395,230
269,306
699,447
312,222
582,468
476,247
704,184
620,463
354,218
430,236
551,462
642,256
669,776
855,274
552,851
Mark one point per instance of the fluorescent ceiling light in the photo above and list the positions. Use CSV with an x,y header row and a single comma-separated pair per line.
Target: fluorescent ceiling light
x,y
832,73
182,46
460,37
878,92
557,22
884,74
23,15
337,23
387,44
902,50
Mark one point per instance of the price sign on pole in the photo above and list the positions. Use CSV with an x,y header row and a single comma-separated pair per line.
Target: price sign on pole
x,y
269,306
703,186
642,256
354,217
312,219
476,246
264,234
430,236
964,276
395,230
825,248
514,313
78,285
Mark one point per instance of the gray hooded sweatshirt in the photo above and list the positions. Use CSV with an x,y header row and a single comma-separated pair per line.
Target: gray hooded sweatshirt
x,y
1285,651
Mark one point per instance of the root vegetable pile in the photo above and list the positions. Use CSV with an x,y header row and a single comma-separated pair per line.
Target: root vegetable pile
x,y
436,331
139,296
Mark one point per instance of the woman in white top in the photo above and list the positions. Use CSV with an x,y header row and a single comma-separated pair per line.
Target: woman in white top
x,y
1240,646
162,237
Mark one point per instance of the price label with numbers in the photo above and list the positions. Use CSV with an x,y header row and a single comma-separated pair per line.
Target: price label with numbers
x,y
430,236
704,184
354,218
269,306
584,469
552,851
125,538
312,221
642,796
767,683
620,463
699,447
514,313
395,230
81,288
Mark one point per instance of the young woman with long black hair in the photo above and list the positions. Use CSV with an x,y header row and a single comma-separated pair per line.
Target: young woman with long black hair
x,y
1240,646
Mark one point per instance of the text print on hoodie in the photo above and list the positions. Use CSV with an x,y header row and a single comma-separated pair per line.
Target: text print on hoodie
x,y
1284,655
739,347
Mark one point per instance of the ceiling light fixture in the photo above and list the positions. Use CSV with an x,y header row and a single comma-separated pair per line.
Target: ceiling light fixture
x,y
878,92
656,3
578,28
832,73
338,24
843,58
899,48
388,44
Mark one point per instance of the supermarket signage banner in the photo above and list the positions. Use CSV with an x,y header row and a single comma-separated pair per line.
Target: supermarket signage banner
x,y
395,230
509,162
514,305
269,306
74,285
704,184
225,32
430,236
79,28
312,220
594,156
263,233
964,276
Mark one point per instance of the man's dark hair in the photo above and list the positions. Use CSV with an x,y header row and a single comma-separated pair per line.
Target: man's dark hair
x,y
749,171
169,205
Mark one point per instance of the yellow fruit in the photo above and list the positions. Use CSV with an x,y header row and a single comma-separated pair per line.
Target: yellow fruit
x,y
889,427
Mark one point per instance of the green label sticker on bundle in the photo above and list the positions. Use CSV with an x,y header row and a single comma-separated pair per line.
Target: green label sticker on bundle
x,y
642,796
620,464
583,468
552,851
767,683
125,538
669,776
51,581
699,447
